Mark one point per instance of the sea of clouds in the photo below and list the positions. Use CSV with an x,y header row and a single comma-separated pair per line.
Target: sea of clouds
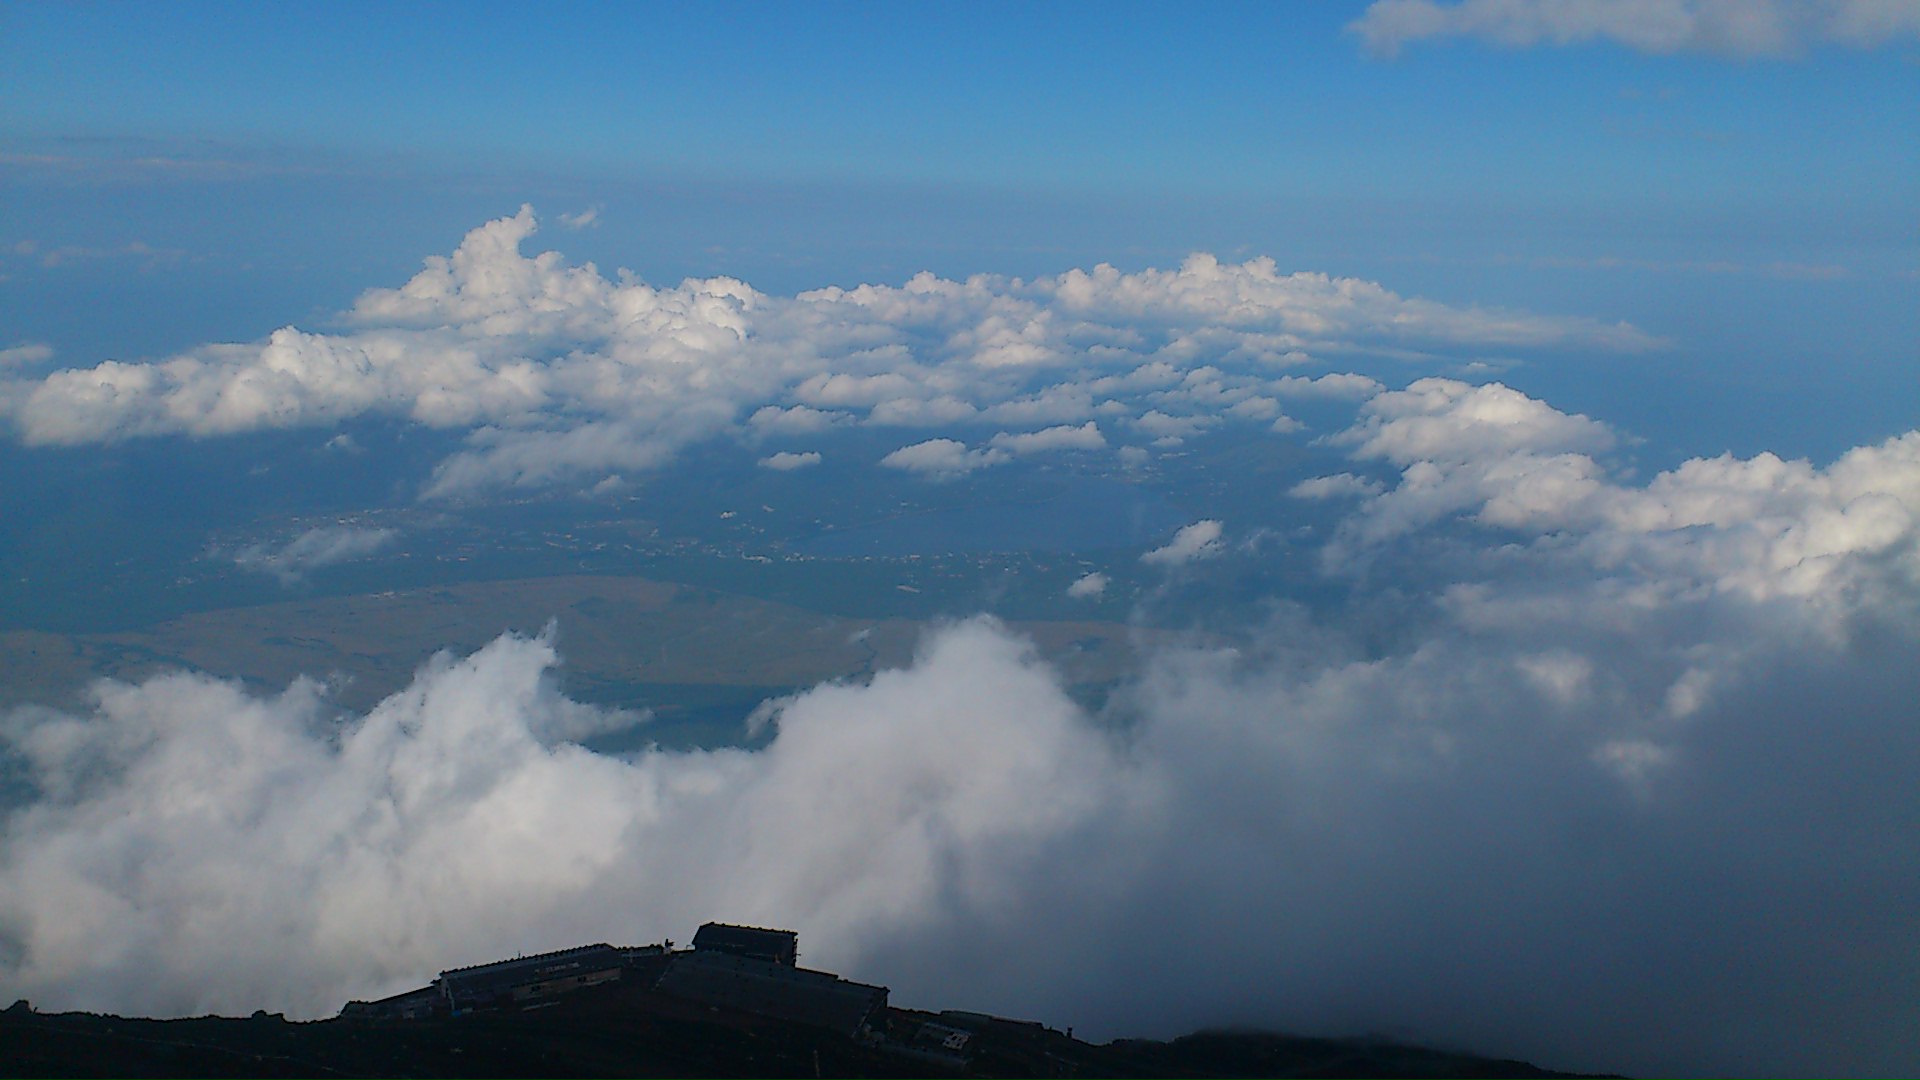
x,y
1629,787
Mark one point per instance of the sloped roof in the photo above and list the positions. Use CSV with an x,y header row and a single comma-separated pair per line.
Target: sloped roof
x,y
541,965
777,991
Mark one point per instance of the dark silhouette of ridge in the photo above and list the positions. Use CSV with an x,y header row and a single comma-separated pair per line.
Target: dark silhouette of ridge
x,y
735,1005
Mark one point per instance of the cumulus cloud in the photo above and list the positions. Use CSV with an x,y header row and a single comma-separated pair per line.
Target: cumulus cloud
x,y
1064,437
918,412
1510,459
1339,485
1089,587
323,545
559,374
1171,428
25,354
1444,419
1747,28
795,420
1335,385
1842,538
787,461
942,458
1200,540
1294,309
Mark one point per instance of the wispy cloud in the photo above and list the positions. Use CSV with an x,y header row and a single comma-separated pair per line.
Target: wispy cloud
x,y
1745,28
323,545
25,354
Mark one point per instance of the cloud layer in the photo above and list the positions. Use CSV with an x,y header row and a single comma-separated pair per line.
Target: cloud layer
x,y
562,375
1625,784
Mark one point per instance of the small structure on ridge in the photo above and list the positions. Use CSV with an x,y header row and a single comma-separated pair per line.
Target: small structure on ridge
x,y
750,942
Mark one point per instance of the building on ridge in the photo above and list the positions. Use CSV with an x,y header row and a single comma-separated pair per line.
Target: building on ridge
x,y
774,991
507,982
748,970
751,942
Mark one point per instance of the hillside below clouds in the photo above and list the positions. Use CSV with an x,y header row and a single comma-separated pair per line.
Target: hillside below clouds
x,y
613,1032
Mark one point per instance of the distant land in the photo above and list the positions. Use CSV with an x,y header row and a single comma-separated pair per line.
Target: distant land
x,y
696,659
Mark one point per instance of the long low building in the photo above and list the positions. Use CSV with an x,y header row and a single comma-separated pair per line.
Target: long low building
x,y
517,982
529,977
748,970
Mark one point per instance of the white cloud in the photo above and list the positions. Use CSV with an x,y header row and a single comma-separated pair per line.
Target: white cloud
x,y
25,354
585,219
560,374
916,412
942,458
1053,405
1443,419
843,389
795,420
786,461
1335,385
1747,28
285,862
323,545
1840,538
1085,437
1089,587
1339,485
1255,295
1512,460
1165,426
1200,540
519,457
1494,835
